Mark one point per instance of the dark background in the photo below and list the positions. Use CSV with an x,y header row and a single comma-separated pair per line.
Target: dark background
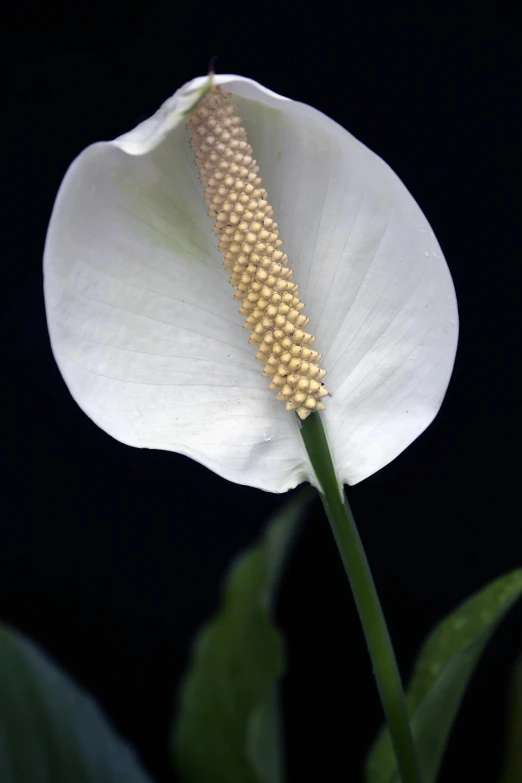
x,y
111,557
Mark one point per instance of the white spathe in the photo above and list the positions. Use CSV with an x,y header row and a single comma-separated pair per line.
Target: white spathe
x,y
148,337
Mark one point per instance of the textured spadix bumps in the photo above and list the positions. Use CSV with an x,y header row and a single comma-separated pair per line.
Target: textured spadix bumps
x,y
249,240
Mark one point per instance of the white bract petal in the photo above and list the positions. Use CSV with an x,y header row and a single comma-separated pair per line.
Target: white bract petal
x,y
148,337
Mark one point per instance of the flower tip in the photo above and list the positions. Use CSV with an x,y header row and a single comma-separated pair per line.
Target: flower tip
x,y
200,95
211,67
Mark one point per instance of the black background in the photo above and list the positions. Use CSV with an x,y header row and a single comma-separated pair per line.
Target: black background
x,y
111,557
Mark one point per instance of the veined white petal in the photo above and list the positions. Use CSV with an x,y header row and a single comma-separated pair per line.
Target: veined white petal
x,y
146,333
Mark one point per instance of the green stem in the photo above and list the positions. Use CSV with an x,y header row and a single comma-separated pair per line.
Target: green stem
x,y
368,605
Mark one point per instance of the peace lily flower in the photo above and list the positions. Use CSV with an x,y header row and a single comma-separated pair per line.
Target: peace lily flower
x,y
150,343
142,319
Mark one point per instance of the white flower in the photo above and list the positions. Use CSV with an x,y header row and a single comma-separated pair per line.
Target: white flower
x,y
147,335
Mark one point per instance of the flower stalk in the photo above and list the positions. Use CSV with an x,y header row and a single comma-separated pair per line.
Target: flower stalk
x,y
366,598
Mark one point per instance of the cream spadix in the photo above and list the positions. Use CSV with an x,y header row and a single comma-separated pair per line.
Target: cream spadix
x,y
250,242
142,322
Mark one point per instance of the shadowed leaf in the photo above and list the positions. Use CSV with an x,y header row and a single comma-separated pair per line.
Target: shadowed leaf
x,y
51,731
228,726
442,672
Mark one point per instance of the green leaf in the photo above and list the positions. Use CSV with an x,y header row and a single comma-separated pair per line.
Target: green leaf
x,y
441,674
512,771
228,728
51,731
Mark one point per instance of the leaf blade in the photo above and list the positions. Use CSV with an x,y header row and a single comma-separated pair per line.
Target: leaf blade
x,y
228,718
50,729
441,674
